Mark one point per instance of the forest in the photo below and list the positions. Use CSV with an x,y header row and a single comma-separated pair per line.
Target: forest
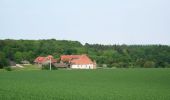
x,y
119,56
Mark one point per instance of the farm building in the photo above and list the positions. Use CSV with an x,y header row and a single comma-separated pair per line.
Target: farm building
x,y
44,60
78,61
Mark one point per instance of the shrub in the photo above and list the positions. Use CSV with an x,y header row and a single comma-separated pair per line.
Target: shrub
x,y
149,64
8,68
47,67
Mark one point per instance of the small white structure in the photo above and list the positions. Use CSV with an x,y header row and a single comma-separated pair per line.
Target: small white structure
x,y
87,66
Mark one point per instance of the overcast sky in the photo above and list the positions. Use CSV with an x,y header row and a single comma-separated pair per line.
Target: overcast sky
x,y
92,21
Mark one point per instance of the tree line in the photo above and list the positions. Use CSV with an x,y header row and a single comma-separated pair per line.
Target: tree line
x,y
121,56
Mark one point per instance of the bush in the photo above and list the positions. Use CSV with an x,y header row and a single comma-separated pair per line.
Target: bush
x,y
47,67
99,65
110,65
8,68
149,64
121,65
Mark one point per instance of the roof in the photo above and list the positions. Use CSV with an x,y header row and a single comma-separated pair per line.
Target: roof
x,y
77,59
40,59
49,57
69,57
44,59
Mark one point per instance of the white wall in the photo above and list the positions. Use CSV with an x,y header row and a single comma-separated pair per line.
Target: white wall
x,y
87,66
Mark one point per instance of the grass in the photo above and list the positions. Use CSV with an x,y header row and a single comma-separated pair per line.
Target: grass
x,y
1,70
24,68
31,67
115,84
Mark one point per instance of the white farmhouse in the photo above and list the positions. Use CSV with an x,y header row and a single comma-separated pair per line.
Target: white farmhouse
x,y
78,61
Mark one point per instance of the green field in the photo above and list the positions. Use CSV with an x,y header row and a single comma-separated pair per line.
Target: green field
x,y
113,84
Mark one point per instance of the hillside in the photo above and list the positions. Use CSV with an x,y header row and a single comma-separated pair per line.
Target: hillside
x,y
105,55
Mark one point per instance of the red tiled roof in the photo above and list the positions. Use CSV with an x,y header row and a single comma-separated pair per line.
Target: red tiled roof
x,y
44,59
40,59
69,57
77,59
49,57
53,60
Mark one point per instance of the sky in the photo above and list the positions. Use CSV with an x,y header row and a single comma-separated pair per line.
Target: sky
x,y
87,21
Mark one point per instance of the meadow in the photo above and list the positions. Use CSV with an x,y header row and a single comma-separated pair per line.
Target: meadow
x,y
100,84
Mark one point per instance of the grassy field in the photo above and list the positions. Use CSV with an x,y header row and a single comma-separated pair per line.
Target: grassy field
x,y
115,84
